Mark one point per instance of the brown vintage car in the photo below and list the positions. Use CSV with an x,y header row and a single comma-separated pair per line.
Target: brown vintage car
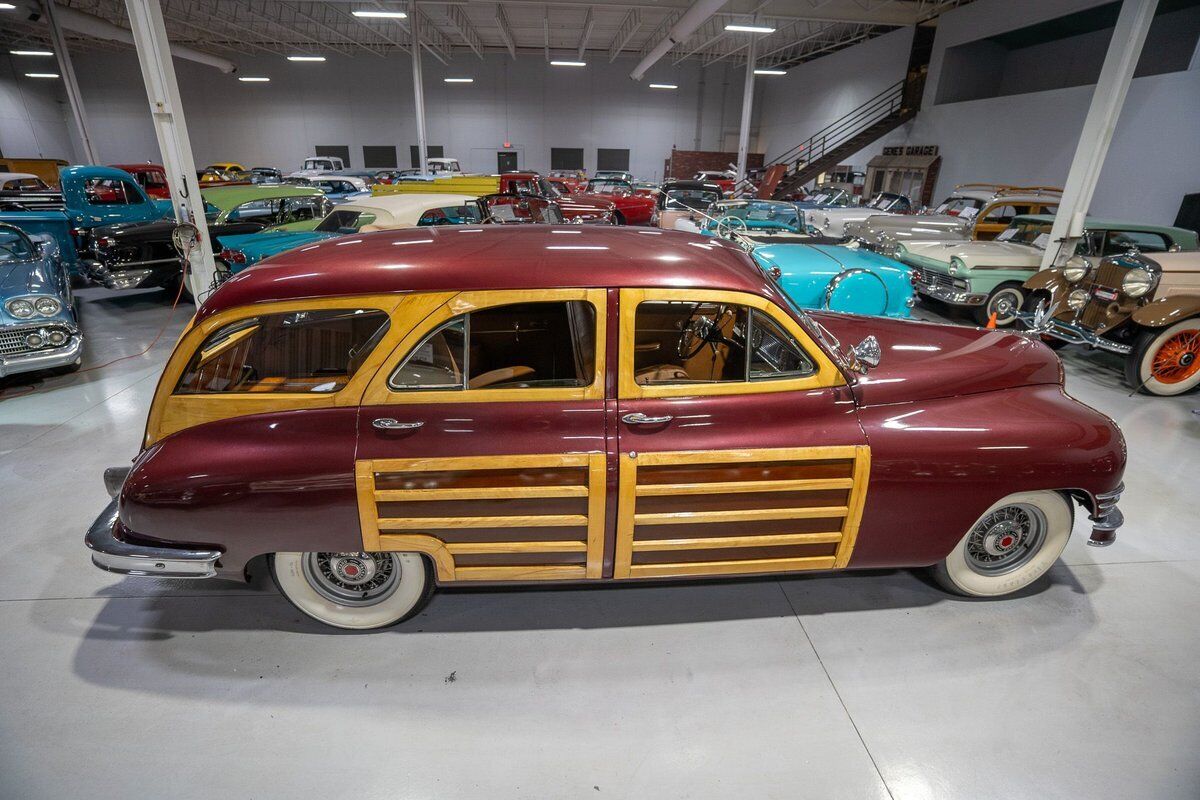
x,y
1145,308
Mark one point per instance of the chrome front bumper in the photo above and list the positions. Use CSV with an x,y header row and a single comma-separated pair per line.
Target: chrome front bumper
x,y
1107,519
1071,333
117,555
953,296
49,358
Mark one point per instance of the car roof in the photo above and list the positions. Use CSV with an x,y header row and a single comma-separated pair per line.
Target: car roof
x,y
142,165
399,203
1114,224
10,176
224,197
481,257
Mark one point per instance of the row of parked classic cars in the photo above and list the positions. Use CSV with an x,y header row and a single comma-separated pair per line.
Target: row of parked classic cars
x,y
1130,288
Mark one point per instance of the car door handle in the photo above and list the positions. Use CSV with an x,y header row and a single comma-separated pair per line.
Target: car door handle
x,y
389,424
638,418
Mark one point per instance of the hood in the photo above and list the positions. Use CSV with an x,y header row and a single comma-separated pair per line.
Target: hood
x,y
998,254
918,226
926,360
588,202
24,277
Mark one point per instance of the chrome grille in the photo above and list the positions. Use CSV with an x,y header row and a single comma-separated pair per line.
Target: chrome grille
x,y
12,339
1108,275
933,279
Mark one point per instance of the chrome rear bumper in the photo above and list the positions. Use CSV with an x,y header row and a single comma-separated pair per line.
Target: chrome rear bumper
x,y
117,555
1107,519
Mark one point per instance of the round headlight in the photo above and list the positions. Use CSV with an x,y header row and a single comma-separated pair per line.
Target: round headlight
x,y
34,340
1137,282
1076,269
47,306
955,265
1077,299
21,309
57,337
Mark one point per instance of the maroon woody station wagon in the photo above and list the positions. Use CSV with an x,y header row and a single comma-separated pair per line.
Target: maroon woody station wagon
x,y
381,413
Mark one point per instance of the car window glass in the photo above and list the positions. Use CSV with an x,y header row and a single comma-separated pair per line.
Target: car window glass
x,y
706,342
451,215
255,210
104,192
299,351
302,209
1000,214
1120,241
523,345
14,246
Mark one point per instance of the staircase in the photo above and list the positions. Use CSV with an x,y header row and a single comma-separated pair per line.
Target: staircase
x,y
842,138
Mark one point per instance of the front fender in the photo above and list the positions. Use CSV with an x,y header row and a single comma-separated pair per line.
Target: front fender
x,y
1051,282
1167,311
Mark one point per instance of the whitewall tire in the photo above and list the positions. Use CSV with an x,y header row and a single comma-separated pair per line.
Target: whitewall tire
x,y
1004,301
1010,546
1166,361
355,591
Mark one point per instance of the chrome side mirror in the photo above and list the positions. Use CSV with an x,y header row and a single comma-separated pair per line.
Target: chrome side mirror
x,y
865,355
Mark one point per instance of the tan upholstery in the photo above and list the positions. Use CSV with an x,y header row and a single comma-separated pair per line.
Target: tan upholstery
x,y
665,373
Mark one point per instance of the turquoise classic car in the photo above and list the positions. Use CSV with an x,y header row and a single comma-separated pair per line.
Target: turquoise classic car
x,y
753,216
839,278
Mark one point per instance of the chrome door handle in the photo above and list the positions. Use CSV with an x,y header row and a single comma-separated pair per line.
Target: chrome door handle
x,y
638,418
389,424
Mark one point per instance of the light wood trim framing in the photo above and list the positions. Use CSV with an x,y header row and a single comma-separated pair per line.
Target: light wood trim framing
x,y
720,542
735,487
730,567
480,493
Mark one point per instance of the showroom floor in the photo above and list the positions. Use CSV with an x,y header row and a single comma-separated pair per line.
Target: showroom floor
x,y
844,686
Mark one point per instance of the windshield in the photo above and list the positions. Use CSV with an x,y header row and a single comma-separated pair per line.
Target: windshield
x,y
691,198
1036,234
14,246
765,210
342,219
883,202
548,189
956,206
609,186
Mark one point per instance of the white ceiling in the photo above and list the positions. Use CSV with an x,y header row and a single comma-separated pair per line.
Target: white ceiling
x,y
465,29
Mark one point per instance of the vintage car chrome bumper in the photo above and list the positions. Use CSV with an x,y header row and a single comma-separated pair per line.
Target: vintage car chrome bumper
x,y
47,358
137,274
127,558
1070,332
940,290
1107,519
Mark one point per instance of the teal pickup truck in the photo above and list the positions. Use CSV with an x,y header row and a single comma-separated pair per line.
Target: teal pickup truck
x,y
91,197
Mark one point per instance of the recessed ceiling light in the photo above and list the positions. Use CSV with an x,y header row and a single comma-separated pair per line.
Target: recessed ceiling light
x,y
568,63
306,58
377,14
750,28
770,72
31,52
41,74
253,79
663,86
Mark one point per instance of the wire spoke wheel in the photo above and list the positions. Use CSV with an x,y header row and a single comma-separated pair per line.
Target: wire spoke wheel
x,y
1178,358
1006,539
353,579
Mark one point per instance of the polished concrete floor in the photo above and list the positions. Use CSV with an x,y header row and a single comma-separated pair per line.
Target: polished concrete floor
x,y
842,686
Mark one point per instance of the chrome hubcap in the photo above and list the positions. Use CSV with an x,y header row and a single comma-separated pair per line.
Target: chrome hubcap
x,y
1005,539
1005,304
355,579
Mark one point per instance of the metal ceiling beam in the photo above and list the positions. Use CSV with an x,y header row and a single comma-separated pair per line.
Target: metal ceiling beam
x,y
629,26
506,31
588,24
546,32
457,19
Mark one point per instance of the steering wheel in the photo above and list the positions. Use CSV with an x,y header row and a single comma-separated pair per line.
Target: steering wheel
x,y
727,225
698,331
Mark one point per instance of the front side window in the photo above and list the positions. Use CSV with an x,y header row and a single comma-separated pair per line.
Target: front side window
x,y
523,345
104,192
466,214
1120,241
709,342
314,351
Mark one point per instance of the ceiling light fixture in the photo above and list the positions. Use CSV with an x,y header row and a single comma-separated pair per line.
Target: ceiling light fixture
x,y
306,58
41,74
7,7
367,13
253,79
750,28
31,52
663,86
459,80
770,72
568,63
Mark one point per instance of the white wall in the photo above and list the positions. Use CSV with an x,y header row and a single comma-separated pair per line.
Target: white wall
x,y
33,112
366,100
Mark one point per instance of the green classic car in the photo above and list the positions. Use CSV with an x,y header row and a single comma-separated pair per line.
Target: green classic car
x,y
988,277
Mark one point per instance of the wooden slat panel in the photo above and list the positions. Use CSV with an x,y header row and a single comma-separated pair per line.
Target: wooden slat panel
x,y
480,493
368,514
858,499
716,542
741,515
514,521
597,489
462,548
737,456
543,573
731,487
479,462
731,567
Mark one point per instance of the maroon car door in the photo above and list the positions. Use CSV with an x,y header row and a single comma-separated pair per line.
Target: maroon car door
x,y
739,447
481,441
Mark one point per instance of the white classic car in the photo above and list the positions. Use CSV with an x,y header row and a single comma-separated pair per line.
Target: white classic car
x,y
832,221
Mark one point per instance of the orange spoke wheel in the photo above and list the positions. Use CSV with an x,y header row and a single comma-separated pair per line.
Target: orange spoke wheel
x,y
1178,358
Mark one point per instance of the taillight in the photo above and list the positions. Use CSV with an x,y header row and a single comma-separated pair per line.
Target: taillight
x,y
233,256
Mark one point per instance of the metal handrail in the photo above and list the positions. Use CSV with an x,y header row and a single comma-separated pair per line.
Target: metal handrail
x,y
844,128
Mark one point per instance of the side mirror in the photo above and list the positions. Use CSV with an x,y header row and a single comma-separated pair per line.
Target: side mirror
x,y
865,355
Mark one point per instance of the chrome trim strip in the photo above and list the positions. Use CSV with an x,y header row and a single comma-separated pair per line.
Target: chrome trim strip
x,y
114,555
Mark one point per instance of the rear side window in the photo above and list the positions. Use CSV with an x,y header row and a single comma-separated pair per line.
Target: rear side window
x,y
300,351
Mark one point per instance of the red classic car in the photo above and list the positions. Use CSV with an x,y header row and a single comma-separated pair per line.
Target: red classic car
x,y
633,208
374,415
575,207
152,177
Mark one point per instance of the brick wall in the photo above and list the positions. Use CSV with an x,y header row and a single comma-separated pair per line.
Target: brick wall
x,y
683,164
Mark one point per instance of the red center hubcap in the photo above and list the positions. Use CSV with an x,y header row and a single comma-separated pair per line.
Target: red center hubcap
x,y
351,570
1006,541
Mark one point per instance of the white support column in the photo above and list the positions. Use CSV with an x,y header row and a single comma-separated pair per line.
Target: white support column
x,y
74,98
747,106
162,90
1119,64
418,90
